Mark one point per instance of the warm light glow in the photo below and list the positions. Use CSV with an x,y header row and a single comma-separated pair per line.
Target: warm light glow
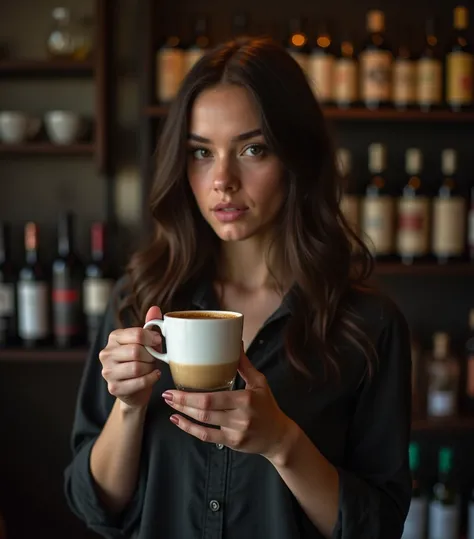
x,y
415,182
347,48
323,41
432,40
298,40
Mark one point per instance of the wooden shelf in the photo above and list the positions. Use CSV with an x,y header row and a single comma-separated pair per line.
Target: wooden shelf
x,y
46,148
442,424
424,269
362,114
43,354
39,68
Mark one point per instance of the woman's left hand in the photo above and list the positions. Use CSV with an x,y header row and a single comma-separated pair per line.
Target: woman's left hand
x,y
250,420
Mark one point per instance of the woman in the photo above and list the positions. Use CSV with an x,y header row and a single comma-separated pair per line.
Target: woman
x,y
313,440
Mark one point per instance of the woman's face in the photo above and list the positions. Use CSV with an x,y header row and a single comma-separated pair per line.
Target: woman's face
x,y
237,182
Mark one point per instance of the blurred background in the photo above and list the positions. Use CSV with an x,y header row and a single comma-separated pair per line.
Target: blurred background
x,y
84,89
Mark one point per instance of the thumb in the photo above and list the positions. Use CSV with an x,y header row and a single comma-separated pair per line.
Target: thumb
x,y
153,312
248,372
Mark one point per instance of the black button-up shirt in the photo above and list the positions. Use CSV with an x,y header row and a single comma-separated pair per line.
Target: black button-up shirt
x,y
188,489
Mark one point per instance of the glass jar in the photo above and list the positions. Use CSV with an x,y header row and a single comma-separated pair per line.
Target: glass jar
x,y
60,42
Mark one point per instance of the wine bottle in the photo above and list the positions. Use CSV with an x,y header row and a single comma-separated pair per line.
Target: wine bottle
x,y
378,209
404,75
345,91
7,289
170,69
413,212
460,63
33,293
350,201
449,213
68,277
321,66
98,283
444,508
376,63
297,44
415,523
429,71
469,349
199,45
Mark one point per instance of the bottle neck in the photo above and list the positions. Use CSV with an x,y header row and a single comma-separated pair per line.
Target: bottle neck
x,y
31,256
65,236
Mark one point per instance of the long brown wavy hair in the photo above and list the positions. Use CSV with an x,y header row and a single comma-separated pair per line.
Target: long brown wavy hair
x,y
320,251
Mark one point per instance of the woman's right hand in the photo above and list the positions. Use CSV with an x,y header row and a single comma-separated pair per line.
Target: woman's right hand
x,y
130,371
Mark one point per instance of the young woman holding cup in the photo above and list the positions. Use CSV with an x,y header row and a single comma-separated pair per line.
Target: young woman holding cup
x,y
312,440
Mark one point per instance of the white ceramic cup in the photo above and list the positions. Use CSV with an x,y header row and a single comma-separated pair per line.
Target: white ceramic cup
x,y
63,126
17,127
203,348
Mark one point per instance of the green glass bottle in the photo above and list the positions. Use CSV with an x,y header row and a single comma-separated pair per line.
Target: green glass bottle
x,y
415,523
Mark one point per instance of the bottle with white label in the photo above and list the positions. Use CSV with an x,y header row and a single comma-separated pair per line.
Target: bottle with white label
x,y
7,289
98,283
170,69
443,379
449,214
34,305
297,44
321,67
378,207
415,523
413,212
444,510
404,75
429,77
460,63
350,200
346,76
199,45
376,64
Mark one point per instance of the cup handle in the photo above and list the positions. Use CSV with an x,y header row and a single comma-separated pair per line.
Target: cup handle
x,y
161,324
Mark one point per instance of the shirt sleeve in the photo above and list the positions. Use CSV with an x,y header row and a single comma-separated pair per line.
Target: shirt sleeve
x,y
94,405
375,484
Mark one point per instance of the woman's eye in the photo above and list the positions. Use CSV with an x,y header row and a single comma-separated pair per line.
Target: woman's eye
x,y
200,153
255,150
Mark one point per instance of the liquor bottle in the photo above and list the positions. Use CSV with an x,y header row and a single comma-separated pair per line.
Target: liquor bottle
x,y
470,227
413,212
297,44
170,68
449,213
345,90
444,507
376,63
430,71
460,63
33,294
350,201
443,379
7,289
415,523
378,209
98,283
469,349
68,277
321,66
404,76
199,45
240,25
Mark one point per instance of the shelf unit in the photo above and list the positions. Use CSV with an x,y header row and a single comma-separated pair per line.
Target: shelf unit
x,y
43,68
47,148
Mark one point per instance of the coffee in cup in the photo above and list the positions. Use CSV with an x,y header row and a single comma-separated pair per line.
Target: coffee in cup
x,y
203,348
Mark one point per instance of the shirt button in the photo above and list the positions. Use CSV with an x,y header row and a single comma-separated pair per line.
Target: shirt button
x,y
220,446
214,505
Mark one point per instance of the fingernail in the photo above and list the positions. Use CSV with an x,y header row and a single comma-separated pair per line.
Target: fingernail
x,y
167,396
174,419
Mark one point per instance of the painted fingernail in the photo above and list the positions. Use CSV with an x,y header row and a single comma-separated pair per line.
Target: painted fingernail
x,y
174,419
167,396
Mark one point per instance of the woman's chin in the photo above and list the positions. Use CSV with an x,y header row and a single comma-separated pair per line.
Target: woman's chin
x,y
231,232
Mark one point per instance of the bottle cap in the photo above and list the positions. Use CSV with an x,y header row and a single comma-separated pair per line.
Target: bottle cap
x,y
376,21
449,162
413,161
377,158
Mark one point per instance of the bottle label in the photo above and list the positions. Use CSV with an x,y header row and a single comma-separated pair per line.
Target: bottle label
x,y
470,520
430,82
169,73
345,81
449,218
415,523
471,228
441,403
191,57
470,377
96,295
377,224
444,521
350,210
404,82
413,226
33,310
320,72
302,59
376,74
460,69
67,309
7,299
